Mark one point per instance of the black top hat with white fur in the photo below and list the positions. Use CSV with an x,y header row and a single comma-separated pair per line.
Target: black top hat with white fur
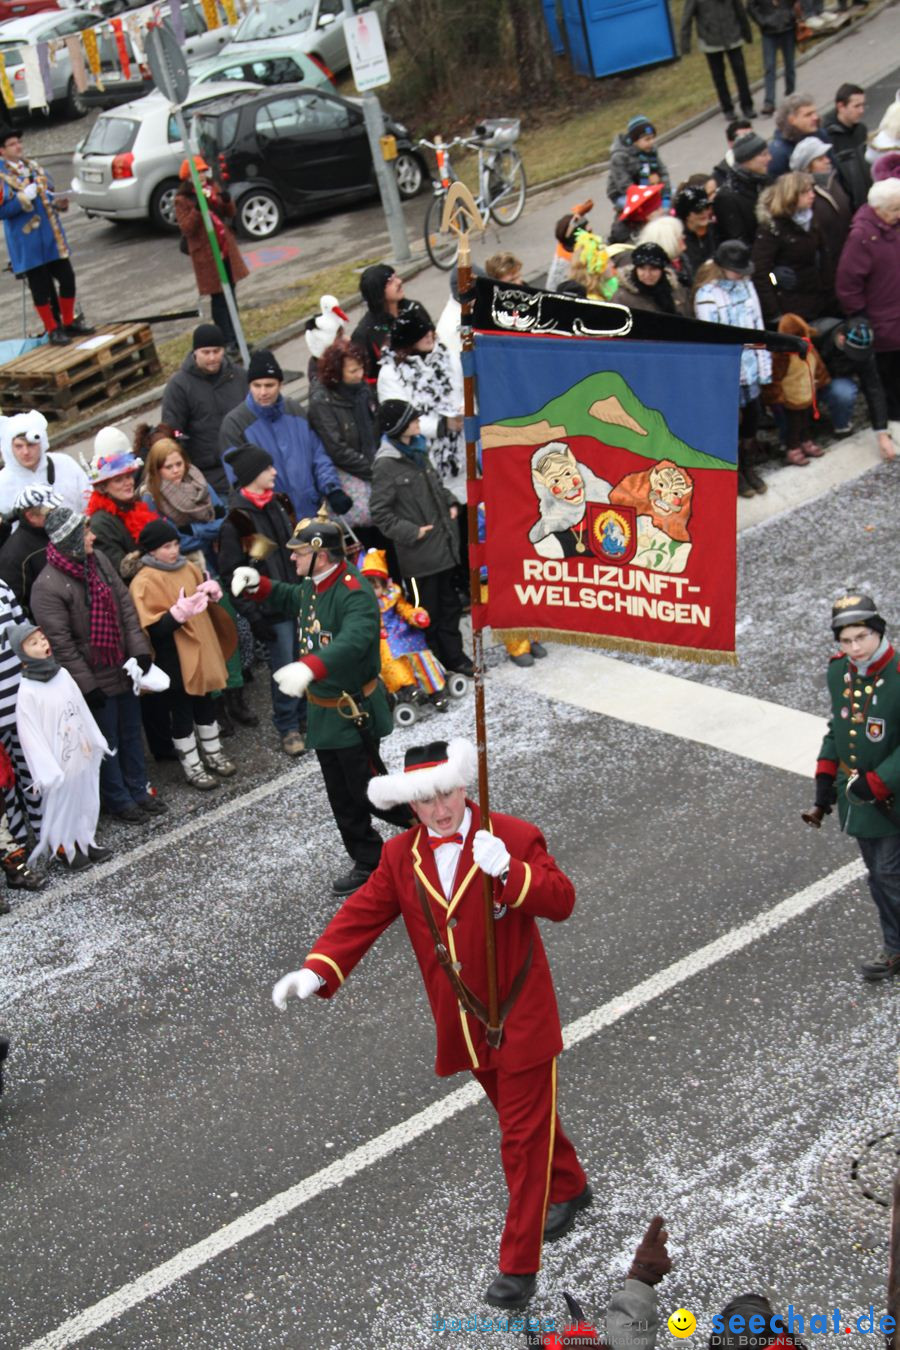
x,y
427,769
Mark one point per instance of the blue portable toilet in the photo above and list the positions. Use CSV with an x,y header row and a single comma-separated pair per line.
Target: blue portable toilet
x,y
610,36
552,22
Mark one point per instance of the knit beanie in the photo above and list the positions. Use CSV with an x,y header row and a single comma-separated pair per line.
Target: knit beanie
x,y
649,254
207,335
638,127
155,534
17,633
805,151
748,147
395,415
65,530
247,462
410,325
263,366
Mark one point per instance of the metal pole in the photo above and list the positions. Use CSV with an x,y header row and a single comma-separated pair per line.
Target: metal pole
x,y
384,174
464,274
211,236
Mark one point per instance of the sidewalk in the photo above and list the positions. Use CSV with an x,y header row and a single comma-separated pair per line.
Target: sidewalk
x,y
862,56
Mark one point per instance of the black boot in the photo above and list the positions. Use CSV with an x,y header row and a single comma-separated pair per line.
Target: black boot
x,y
20,877
239,708
223,717
351,881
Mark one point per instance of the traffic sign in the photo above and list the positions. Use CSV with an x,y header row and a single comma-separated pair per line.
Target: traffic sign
x,y
365,47
167,64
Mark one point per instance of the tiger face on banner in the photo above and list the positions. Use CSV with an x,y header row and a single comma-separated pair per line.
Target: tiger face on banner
x,y
602,521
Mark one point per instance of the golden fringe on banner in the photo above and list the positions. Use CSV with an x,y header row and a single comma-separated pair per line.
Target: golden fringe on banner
x,y
574,639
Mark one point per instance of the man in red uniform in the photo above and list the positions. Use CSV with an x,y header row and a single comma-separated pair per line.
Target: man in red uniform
x,y
431,876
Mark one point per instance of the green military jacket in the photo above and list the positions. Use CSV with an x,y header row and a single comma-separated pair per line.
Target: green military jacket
x,y
340,635
864,734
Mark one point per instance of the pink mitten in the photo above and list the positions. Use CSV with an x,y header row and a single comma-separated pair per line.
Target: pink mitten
x,y
182,609
212,589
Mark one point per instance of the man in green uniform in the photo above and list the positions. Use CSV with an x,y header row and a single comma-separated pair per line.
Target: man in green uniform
x,y
348,713
859,763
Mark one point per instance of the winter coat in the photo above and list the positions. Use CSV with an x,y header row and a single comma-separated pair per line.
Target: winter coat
x,y
627,165
190,223
721,25
832,215
793,376
736,302
344,420
112,536
245,518
782,243
868,276
735,205
839,365
698,249
22,559
190,653
34,232
195,405
305,471
781,147
407,493
60,606
772,16
849,155
631,295
373,332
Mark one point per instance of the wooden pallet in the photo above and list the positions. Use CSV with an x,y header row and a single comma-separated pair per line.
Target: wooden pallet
x,y
65,382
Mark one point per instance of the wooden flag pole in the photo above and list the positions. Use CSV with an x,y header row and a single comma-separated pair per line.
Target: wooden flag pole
x,y
459,215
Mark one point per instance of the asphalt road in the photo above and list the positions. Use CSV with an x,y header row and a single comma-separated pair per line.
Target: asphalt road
x,y
156,1098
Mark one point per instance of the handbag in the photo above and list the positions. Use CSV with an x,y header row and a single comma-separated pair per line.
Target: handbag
x,y
359,492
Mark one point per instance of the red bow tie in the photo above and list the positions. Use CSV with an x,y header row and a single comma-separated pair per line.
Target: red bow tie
x,y
445,839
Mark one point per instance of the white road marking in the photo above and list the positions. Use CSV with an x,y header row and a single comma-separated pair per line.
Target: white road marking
x,y
358,1160
768,733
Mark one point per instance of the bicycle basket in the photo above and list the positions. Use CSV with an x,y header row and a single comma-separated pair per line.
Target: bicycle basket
x,y
498,131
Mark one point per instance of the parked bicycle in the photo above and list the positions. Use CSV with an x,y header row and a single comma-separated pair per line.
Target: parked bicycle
x,y
501,183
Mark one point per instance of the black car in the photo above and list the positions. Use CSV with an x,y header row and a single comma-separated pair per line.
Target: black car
x,y
294,151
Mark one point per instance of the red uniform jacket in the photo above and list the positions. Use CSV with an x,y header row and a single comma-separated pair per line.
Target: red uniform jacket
x,y
535,888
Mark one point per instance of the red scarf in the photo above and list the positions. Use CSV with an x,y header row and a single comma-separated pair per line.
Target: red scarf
x,y
133,517
260,499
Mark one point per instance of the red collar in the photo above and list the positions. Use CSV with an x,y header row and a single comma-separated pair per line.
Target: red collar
x,y
331,580
878,666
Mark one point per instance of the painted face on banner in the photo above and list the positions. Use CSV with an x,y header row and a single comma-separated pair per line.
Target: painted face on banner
x,y
558,472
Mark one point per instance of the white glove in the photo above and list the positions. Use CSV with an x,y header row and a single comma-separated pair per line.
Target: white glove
x,y
30,192
244,579
293,680
133,671
490,853
299,982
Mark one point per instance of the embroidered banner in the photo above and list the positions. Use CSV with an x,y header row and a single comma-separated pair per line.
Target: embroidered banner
x,y
610,491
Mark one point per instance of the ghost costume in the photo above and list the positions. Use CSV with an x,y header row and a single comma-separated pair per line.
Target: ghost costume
x,y
68,480
550,532
63,748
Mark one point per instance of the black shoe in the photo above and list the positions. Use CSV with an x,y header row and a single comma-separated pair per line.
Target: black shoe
x,y
78,328
538,650
97,853
727,112
510,1291
350,881
767,109
756,480
463,667
560,1218
58,338
20,877
743,486
132,814
152,806
77,863
240,710
885,965
749,112
223,718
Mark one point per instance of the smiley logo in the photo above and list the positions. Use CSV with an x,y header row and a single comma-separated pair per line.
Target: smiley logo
x,y
682,1323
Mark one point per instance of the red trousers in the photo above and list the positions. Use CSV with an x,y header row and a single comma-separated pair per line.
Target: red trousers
x,y
539,1162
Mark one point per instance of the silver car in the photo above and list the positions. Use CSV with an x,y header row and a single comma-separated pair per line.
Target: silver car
x,y
126,168
43,27
316,25
266,63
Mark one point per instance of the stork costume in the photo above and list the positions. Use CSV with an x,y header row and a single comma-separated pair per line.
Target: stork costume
x,y
431,876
